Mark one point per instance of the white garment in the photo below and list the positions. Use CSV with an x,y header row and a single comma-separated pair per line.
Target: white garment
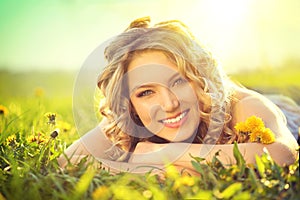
x,y
291,111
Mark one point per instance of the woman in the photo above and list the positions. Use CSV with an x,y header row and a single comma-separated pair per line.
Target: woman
x,y
166,98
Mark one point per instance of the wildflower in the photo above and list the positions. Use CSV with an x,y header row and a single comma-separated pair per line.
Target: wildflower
x,y
54,134
254,136
39,138
241,127
11,140
51,117
255,128
172,172
184,181
101,192
64,126
39,92
254,123
3,110
148,194
267,136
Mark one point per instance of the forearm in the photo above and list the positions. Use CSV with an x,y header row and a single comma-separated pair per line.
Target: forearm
x,y
114,167
180,153
93,143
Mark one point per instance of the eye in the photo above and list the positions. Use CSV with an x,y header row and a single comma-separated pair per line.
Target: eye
x,y
179,81
145,93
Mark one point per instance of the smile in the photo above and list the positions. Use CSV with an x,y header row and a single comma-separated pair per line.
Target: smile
x,y
175,122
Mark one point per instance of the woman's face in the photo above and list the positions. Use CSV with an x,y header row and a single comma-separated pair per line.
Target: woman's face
x,y
163,99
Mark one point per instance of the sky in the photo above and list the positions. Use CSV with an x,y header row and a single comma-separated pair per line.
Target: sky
x,y
60,34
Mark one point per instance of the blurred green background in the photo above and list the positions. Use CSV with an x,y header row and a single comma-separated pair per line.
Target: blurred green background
x,y
45,43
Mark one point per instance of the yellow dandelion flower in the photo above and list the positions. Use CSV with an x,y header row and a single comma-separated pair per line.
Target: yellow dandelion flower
x,y
172,172
254,136
101,192
11,140
255,128
184,181
64,126
241,127
188,180
39,92
148,194
267,136
254,123
3,110
31,138
39,138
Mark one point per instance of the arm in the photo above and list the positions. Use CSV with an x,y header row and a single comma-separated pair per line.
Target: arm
x,y
283,150
94,143
179,153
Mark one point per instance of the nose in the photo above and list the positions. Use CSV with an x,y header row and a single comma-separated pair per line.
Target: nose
x,y
169,101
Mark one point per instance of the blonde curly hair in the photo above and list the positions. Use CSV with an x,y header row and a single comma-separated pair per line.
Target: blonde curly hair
x,y
195,63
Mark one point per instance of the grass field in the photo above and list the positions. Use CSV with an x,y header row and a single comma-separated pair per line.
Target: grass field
x,y
29,148
283,80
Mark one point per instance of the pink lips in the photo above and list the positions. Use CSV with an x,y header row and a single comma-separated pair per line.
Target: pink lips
x,y
175,121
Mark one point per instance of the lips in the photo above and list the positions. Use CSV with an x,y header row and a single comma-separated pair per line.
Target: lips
x,y
175,121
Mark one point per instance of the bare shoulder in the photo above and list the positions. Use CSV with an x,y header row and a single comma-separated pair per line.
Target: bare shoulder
x,y
252,103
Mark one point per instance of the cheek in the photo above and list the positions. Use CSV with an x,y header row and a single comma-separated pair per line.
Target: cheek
x,y
142,108
186,94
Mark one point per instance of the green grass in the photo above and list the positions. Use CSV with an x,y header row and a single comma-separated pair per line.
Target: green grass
x,y
29,170
281,80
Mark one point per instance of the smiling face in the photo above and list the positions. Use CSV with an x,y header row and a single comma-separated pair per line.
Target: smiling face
x,y
162,98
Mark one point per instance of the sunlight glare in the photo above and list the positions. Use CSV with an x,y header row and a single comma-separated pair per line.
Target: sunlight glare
x,y
223,26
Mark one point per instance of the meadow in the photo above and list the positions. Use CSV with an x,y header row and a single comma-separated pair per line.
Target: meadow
x,y
36,125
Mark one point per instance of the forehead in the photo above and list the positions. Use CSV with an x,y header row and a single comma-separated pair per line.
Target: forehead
x,y
151,57
150,68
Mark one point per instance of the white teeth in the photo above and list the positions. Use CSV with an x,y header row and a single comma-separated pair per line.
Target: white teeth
x,y
176,119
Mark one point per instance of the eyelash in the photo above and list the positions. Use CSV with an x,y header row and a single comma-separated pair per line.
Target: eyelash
x,y
144,93
178,81
149,92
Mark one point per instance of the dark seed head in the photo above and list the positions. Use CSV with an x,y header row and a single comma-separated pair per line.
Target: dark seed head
x,y
54,134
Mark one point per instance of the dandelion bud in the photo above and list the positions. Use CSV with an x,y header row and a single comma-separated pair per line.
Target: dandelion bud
x,y
39,92
54,134
51,118
3,110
